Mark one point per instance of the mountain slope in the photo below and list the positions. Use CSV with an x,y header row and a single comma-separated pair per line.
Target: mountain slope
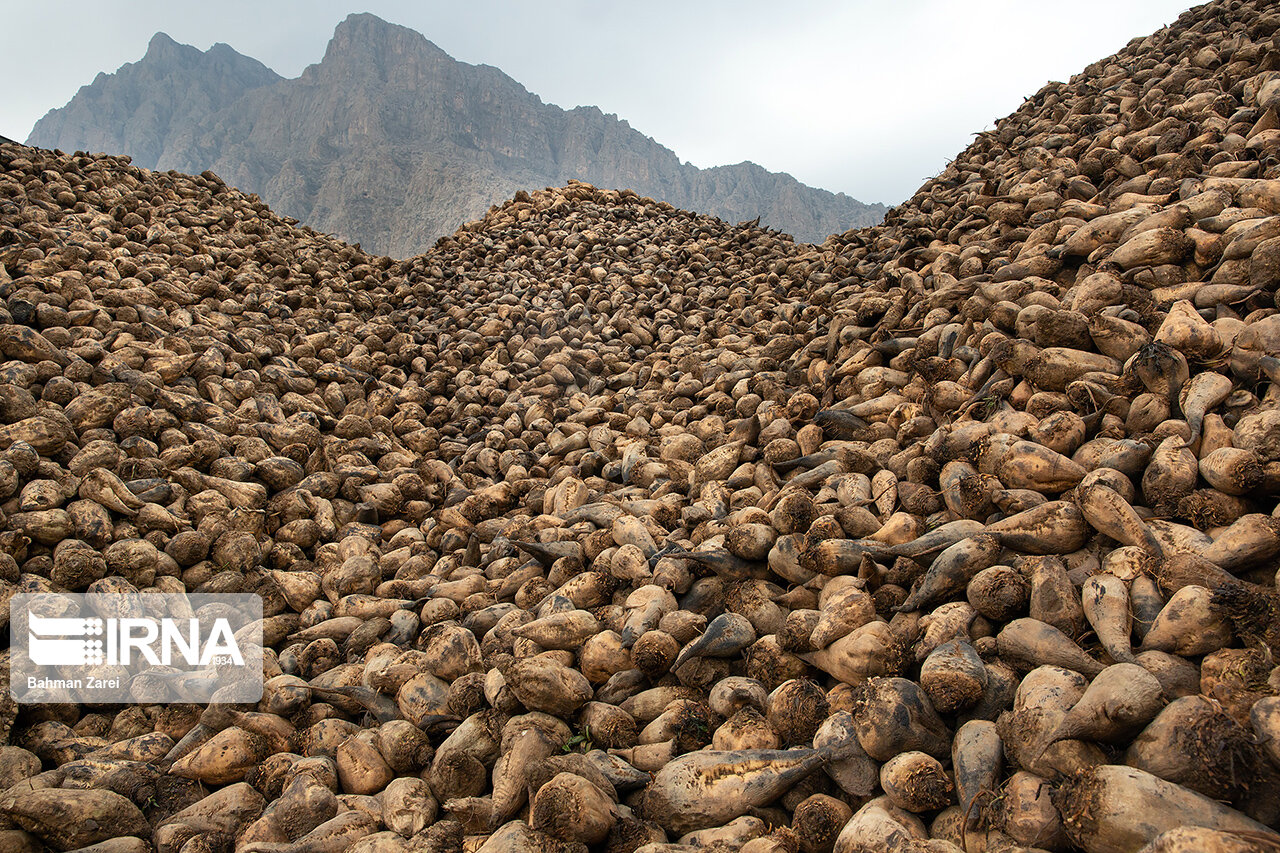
x,y
390,142
146,106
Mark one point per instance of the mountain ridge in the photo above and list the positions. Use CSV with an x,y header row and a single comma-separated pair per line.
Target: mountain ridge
x,y
131,109
390,142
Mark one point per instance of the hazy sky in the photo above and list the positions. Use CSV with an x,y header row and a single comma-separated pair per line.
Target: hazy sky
x,y
866,97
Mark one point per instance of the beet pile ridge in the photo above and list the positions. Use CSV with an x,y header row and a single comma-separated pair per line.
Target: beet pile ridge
x,y
608,526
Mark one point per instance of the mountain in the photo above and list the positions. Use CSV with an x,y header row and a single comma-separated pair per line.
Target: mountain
x,y
146,107
390,142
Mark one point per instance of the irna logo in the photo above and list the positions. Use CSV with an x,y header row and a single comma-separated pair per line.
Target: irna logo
x,y
54,641
141,647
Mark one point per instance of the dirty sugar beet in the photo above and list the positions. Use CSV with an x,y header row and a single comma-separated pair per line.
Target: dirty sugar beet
x,y
607,526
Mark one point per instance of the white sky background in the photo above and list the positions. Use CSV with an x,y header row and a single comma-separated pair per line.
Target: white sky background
x,y
865,97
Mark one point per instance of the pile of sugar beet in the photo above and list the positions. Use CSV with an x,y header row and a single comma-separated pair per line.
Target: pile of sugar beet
x,y
607,526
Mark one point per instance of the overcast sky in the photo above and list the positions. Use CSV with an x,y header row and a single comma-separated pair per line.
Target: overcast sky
x,y
866,97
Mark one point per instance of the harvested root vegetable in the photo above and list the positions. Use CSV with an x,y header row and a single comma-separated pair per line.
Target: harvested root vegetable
x,y
572,809
1188,625
726,635
709,788
1194,743
998,593
1194,839
1032,643
69,819
515,836
817,821
1051,528
1042,702
227,757
408,807
880,825
893,715
977,756
1247,542
1117,703
1145,602
916,782
1231,470
841,614
1111,514
953,676
1105,602
1265,716
797,708
511,771
1112,809
746,729
871,650
1028,815
545,685
1054,599
850,768
560,630
1177,676
952,570
734,833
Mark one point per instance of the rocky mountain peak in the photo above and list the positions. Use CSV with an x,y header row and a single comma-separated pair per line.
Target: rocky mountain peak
x,y
362,30
162,48
390,142
367,44
144,108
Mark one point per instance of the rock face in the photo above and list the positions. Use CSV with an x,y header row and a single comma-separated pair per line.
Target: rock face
x,y
390,142
148,107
